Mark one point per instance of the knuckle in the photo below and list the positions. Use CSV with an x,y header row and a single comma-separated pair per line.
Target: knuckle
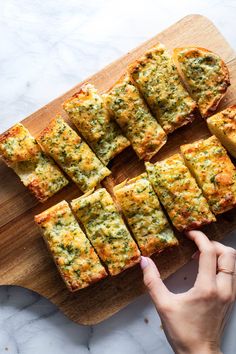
x,y
227,298
209,293
230,251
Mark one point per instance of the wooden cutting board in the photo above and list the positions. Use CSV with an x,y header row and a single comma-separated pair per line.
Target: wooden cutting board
x,y
24,259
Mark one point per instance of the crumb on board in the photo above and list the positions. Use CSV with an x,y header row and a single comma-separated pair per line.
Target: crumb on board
x,y
185,278
146,320
161,327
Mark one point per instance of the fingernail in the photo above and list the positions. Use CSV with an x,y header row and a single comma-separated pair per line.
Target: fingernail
x,y
143,262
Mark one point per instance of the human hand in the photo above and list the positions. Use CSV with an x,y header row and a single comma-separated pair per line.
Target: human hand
x,y
194,321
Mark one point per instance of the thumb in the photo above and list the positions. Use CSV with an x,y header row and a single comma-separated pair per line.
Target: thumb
x,y
152,280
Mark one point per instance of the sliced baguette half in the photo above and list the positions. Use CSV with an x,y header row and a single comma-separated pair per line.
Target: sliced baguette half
x,y
205,76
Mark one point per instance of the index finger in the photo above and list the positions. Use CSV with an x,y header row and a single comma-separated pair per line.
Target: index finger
x,y
152,280
207,260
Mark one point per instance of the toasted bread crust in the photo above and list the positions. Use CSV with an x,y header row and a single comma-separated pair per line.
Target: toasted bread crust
x,y
144,215
220,78
23,146
73,255
214,172
86,109
106,230
179,193
157,79
73,155
223,126
133,116
39,174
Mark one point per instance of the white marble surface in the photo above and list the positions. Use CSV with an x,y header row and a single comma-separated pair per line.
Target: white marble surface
x,y
46,48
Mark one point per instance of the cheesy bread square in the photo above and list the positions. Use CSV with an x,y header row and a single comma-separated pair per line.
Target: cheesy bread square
x,y
20,151
223,126
133,116
72,252
74,156
157,79
144,215
106,230
205,75
216,175
87,111
179,193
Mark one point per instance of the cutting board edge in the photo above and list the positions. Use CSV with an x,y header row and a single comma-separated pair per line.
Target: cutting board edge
x,y
186,18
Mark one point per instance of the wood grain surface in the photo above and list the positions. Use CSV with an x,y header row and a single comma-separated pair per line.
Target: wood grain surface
x,y
24,259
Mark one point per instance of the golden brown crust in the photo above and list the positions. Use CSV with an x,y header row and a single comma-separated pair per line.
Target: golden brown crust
x,y
214,172
131,113
81,94
48,130
224,82
87,111
72,253
38,173
179,193
74,156
84,94
106,230
223,125
49,213
144,215
37,191
157,78
25,147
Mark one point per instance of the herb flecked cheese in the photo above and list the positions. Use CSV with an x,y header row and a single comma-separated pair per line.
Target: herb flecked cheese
x,y
223,126
144,215
205,75
72,252
215,173
179,193
106,230
38,172
157,79
87,111
133,116
73,155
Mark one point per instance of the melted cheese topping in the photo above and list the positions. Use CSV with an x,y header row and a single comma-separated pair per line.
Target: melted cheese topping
x,y
144,215
73,155
223,125
38,172
106,230
134,118
88,113
75,257
18,145
157,79
179,193
205,75
214,172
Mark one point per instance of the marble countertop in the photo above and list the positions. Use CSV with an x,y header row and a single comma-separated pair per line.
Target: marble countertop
x,y
46,48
